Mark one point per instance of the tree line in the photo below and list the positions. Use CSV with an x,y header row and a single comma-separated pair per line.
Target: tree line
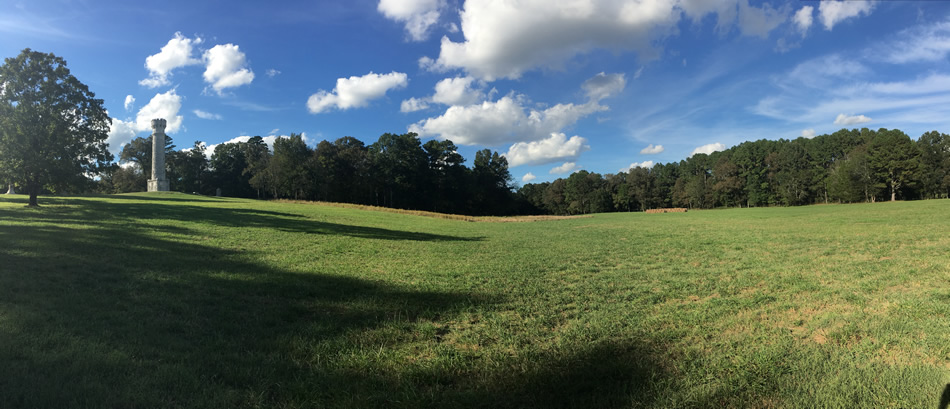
x,y
400,171
397,171
847,166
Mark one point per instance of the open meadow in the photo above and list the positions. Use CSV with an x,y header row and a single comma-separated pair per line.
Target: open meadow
x,y
182,301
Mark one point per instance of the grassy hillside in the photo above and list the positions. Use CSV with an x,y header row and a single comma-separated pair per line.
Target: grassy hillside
x,y
171,300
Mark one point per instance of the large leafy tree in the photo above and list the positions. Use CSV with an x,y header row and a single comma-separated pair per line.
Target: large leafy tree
x,y
188,170
793,172
894,159
324,164
447,176
935,161
727,182
352,172
258,158
400,164
289,165
139,151
851,179
491,178
228,170
53,130
641,188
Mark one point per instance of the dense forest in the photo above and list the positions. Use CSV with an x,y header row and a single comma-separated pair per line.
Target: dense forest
x,y
400,171
396,171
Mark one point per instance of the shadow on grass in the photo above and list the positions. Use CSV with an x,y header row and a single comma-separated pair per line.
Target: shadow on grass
x,y
606,375
78,211
165,197
103,316
945,398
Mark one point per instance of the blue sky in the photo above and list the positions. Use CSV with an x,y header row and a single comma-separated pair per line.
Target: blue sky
x,y
554,85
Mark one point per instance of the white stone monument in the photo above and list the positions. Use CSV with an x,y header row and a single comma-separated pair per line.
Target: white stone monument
x,y
158,183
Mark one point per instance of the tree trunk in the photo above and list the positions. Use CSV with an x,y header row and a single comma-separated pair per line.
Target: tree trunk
x,y
33,189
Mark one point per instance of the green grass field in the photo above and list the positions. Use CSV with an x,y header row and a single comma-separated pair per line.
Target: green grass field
x,y
171,300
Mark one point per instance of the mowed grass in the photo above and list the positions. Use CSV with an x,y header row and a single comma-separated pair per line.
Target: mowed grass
x,y
180,301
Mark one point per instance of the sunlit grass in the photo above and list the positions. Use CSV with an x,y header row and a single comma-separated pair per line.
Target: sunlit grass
x,y
185,301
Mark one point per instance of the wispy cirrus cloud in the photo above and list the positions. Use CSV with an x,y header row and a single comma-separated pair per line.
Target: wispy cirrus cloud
x,y
206,115
920,44
833,86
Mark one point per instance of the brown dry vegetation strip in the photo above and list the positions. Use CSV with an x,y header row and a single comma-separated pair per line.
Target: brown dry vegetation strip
x,y
489,219
668,210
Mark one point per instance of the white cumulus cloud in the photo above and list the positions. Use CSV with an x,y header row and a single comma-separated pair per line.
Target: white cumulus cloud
x,y
176,53
226,67
129,102
808,133
553,149
165,105
418,15
528,177
413,105
356,92
509,120
652,149
503,121
120,133
567,167
843,119
456,91
647,164
759,21
833,12
206,115
707,149
504,39
603,85
803,18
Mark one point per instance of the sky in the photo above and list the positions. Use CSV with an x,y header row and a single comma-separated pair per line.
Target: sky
x,y
555,86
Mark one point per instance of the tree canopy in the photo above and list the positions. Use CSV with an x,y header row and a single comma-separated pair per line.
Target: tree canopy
x,y
53,130
398,170
845,167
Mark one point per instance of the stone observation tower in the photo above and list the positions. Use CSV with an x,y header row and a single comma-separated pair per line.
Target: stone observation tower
x,y
158,183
